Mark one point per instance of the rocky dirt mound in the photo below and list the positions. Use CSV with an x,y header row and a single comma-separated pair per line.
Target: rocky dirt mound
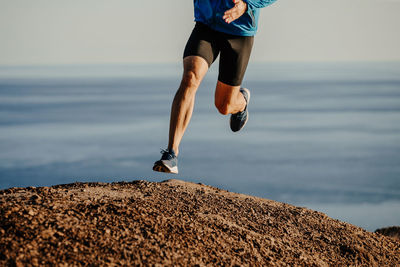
x,y
393,232
175,223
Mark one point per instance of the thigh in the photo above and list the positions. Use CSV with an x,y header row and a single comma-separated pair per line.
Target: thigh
x,y
202,43
234,57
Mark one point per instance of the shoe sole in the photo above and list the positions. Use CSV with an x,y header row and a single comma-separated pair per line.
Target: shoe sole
x,y
160,167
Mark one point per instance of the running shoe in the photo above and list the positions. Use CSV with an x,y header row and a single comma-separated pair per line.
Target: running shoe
x,y
168,162
239,120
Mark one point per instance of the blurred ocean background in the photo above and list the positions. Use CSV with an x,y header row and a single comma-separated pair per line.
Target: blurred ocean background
x,y
321,135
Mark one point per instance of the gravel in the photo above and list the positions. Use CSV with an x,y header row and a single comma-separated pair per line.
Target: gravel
x,y
175,223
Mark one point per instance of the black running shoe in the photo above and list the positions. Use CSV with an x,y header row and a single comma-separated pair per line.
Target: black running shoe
x,y
168,162
239,120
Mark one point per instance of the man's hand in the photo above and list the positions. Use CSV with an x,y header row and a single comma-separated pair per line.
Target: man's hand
x,y
235,12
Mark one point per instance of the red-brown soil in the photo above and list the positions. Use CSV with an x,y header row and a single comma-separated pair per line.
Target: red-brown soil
x,y
175,223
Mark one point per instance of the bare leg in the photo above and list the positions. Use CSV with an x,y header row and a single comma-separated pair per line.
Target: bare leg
x,y
194,70
228,99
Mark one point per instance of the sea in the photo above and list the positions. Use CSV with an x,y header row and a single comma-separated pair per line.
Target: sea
x,y
325,136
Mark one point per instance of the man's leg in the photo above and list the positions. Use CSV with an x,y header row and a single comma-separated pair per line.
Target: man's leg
x,y
230,98
194,70
200,52
233,100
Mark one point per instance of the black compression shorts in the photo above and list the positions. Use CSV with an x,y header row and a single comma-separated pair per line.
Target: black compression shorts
x,y
235,52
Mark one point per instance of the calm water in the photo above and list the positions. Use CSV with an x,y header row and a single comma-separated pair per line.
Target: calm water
x,y
321,135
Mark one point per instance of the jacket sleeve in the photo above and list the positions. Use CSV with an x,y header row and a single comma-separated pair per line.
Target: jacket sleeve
x,y
253,4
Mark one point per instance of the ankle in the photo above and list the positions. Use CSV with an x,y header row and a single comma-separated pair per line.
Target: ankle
x,y
175,151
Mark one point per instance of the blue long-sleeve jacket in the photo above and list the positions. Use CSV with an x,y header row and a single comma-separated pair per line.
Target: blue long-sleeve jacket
x,y
210,12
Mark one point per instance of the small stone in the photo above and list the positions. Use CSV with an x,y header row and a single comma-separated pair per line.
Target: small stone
x,y
46,234
37,197
35,262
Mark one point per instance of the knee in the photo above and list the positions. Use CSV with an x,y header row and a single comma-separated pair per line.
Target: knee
x,y
190,80
188,87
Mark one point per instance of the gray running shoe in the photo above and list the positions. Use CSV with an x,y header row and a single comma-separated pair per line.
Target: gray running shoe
x,y
239,120
168,162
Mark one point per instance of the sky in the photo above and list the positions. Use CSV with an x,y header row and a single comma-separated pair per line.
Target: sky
x,y
132,31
